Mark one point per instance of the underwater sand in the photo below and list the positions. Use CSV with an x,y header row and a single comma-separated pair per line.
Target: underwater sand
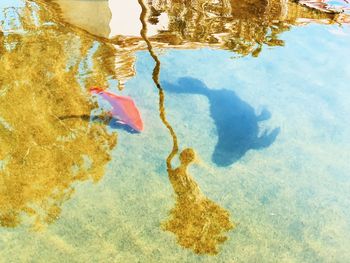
x,y
290,201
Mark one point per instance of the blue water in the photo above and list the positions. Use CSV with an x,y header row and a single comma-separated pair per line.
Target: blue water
x,y
290,197
285,183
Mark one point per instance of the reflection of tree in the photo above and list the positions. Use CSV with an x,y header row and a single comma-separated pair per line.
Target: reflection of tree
x,y
197,221
41,156
242,26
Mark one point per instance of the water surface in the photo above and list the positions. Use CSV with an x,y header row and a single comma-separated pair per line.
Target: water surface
x,y
244,155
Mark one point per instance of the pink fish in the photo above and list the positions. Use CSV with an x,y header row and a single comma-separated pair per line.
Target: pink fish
x,y
123,108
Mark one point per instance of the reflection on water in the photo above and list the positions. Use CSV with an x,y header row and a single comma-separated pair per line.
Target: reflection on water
x,y
96,15
49,138
197,221
42,155
241,26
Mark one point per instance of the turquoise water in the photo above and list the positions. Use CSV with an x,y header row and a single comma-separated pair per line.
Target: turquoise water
x,y
287,189
289,199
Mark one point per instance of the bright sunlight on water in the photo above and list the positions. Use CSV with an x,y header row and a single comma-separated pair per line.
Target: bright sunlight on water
x,y
174,131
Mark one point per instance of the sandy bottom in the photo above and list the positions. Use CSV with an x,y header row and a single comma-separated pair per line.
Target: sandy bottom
x,y
289,200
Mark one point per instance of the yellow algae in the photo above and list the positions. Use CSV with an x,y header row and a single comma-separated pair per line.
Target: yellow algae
x,y
43,156
197,221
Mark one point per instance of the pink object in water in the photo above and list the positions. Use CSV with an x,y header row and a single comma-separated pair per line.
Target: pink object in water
x,y
123,108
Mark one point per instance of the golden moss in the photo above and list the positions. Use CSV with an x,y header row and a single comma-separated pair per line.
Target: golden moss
x,y
41,155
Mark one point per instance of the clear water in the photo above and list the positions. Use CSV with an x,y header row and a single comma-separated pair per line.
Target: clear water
x,y
286,190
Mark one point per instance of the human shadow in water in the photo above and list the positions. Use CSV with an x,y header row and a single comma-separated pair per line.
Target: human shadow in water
x,y
107,120
235,120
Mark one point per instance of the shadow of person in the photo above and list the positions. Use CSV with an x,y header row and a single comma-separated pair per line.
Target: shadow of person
x,y
235,121
105,119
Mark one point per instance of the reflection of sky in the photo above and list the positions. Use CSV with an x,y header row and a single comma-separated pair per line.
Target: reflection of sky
x,y
11,3
125,18
8,10
9,16
340,4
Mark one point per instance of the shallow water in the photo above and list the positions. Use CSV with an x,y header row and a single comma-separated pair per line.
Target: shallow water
x,y
264,105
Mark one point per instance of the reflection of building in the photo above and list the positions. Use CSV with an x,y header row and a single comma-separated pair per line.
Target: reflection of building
x,y
243,26
94,16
